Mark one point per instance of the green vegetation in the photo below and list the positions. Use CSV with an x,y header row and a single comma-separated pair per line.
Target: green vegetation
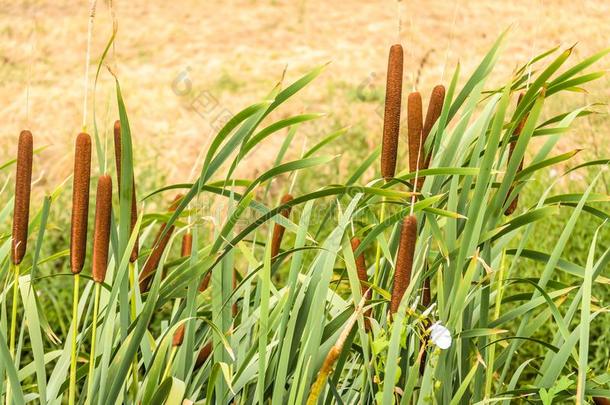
x,y
522,296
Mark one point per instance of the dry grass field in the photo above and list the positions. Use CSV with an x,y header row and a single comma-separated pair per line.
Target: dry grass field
x,y
232,52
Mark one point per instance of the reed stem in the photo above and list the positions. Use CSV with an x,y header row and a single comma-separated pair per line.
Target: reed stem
x,y
73,352
132,288
96,305
378,252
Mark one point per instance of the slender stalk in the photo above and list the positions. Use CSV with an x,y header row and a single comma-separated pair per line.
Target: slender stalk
x,y
170,361
132,287
73,352
13,326
378,252
96,305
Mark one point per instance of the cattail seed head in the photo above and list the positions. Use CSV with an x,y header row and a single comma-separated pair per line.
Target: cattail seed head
x,y
601,401
23,185
404,261
203,355
185,251
414,133
101,238
134,206
391,118
80,202
159,246
364,279
435,107
205,282
278,230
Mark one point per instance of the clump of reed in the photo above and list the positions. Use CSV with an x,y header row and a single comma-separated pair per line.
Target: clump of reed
x,y
159,245
391,119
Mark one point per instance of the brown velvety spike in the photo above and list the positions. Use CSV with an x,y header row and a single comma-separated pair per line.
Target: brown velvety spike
x,y
186,249
435,107
414,133
80,202
601,401
404,261
426,295
159,246
364,279
187,245
101,236
205,282
278,230
23,186
391,118
203,355
511,148
134,204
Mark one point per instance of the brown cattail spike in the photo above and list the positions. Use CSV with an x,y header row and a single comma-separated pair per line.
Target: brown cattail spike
x,y
101,238
601,401
205,282
134,206
511,148
404,261
186,249
203,355
159,246
278,230
80,202
415,127
435,107
391,118
364,279
23,185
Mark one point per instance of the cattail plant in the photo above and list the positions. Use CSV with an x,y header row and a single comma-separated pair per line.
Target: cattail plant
x,y
278,230
391,118
435,107
21,215
78,240
414,131
511,148
203,354
134,207
101,240
159,245
364,280
404,261
601,401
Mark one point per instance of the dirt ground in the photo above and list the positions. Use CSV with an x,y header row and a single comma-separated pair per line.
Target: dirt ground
x,y
225,55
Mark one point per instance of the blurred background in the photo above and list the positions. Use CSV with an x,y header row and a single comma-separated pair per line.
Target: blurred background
x,y
185,68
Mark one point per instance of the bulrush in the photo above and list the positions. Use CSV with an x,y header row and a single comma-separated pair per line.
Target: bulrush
x,y
205,282
511,148
601,401
203,355
159,246
278,230
391,118
134,206
80,202
23,185
414,130
364,279
435,107
404,261
101,237
186,249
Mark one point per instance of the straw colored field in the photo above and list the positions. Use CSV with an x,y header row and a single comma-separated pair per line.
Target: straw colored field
x,y
234,51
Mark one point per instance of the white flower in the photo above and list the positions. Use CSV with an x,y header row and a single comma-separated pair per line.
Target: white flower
x,y
440,336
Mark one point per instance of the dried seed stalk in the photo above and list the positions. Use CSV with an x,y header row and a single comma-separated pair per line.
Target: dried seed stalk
x,y
23,185
101,236
80,202
391,118
404,261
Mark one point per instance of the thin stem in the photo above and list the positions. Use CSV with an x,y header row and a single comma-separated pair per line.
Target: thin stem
x,y
72,392
96,305
378,253
13,326
169,363
132,287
